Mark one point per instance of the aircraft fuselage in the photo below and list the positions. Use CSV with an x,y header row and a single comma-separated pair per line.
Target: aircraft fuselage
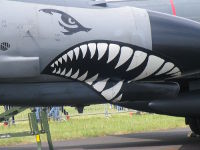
x,y
52,52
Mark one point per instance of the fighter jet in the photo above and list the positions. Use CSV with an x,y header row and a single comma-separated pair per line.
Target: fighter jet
x,y
77,53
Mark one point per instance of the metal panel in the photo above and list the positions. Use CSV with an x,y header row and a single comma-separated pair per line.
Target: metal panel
x,y
15,67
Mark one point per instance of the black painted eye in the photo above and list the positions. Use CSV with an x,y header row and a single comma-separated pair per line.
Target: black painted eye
x,y
68,23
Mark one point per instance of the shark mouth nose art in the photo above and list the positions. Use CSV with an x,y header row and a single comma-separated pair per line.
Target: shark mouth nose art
x,y
106,66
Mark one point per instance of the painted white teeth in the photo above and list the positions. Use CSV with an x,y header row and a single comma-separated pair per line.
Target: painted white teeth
x,y
76,51
83,77
91,80
92,48
175,70
83,49
65,57
118,98
75,75
54,71
167,67
60,60
69,73
63,72
130,81
101,47
99,86
125,54
58,72
70,54
153,65
113,91
56,63
113,52
138,58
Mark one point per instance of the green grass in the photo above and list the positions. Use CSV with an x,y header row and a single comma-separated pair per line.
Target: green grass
x,y
72,111
99,125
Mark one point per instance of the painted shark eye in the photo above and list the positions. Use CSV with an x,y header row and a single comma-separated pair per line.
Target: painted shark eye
x,y
68,23
71,21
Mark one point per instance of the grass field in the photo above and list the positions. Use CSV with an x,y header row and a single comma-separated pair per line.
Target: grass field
x,y
98,125
72,111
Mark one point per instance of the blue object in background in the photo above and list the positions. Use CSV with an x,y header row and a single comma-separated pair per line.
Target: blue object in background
x,y
54,112
37,113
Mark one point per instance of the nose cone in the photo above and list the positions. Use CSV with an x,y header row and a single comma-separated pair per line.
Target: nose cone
x,y
176,38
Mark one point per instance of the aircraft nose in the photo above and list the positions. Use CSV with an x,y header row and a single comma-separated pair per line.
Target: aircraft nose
x,y
176,38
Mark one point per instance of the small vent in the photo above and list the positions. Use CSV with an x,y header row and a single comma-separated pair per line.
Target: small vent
x,y
4,46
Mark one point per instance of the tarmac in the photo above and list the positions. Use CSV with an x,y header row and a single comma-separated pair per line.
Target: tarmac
x,y
174,139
